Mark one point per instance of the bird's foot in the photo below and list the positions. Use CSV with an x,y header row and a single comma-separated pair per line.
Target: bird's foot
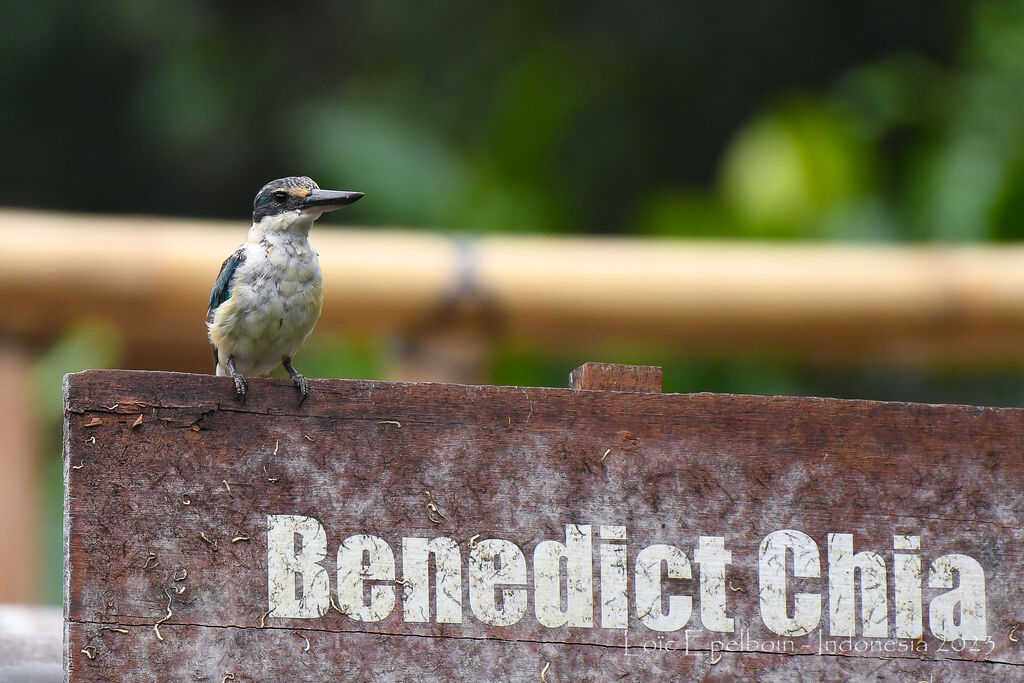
x,y
240,386
300,384
297,377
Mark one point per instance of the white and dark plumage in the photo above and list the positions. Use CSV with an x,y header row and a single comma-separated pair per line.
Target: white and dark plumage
x,y
268,295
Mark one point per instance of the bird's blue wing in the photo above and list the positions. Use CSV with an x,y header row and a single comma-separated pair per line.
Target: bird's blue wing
x,y
222,287
222,290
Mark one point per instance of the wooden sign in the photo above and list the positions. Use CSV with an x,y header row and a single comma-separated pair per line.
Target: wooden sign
x,y
385,531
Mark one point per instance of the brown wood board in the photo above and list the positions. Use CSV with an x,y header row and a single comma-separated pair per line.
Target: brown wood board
x,y
615,377
168,554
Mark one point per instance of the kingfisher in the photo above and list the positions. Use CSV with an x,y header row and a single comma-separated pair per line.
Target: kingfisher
x,y
269,293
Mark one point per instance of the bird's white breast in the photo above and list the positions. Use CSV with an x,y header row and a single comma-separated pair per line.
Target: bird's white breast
x,y
275,301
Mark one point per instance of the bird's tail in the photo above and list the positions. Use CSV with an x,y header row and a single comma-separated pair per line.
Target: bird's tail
x,y
218,369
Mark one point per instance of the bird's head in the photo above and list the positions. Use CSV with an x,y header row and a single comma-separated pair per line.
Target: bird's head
x,y
296,201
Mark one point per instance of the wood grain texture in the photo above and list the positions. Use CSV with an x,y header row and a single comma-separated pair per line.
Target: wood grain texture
x,y
614,377
173,509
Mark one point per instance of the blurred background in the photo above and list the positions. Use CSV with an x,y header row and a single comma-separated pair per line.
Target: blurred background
x,y
765,143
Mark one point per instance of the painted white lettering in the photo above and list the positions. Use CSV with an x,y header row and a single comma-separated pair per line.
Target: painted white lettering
x,y
353,571
614,601
907,587
712,557
286,562
969,595
647,585
493,562
448,580
842,565
772,574
547,577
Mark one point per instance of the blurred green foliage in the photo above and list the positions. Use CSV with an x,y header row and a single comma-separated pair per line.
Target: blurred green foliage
x,y
681,118
786,119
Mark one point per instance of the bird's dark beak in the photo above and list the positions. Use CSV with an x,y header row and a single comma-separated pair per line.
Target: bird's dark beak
x,y
329,200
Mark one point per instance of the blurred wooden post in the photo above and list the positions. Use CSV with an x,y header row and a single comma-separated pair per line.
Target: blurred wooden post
x,y
450,356
19,503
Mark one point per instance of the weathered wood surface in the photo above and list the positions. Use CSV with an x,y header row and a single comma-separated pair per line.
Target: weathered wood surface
x,y
167,525
615,377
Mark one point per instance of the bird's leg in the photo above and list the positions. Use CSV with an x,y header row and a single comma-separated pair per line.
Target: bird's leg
x,y
240,386
300,381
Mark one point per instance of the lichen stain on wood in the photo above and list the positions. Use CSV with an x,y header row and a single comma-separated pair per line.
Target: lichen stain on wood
x,y
678,468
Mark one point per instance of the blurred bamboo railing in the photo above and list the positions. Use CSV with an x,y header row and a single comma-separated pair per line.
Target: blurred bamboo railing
x,y
150,278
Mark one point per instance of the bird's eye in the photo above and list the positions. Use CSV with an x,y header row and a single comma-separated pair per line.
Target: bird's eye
x,y
280,196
